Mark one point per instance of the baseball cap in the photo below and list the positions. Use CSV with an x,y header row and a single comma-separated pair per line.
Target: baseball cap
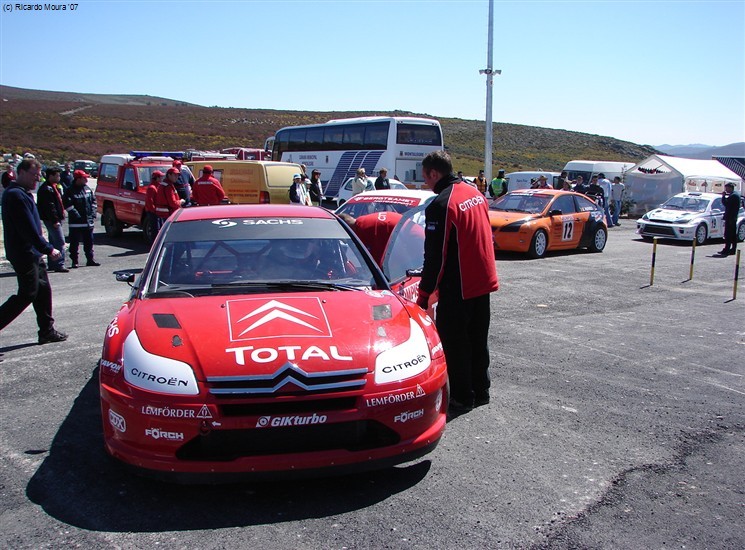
x,y
157,174
173,170
177,164
80,174
207,169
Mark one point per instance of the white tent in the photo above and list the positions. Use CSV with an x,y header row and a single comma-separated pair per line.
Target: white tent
x,y
659,177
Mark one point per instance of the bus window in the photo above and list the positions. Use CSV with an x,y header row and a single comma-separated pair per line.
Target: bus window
x,y
376,135
354,136
418,134
297,140
332,138
314,139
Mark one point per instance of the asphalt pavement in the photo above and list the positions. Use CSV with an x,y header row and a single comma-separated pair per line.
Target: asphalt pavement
x,y
617,420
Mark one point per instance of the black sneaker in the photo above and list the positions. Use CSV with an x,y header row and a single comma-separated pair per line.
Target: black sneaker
x,y
74,265
481,399
456,407
62,269
92,263
52,336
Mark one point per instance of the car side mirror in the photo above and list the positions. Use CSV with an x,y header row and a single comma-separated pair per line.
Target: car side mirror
x,y
127,275
555,212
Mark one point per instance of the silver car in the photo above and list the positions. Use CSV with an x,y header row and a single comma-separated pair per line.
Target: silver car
x,y
688,216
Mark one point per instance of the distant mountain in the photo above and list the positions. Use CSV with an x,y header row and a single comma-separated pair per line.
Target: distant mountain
x,y
9,92
704,152
65,126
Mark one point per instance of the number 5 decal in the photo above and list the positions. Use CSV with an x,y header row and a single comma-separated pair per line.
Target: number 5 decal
x,y
568,232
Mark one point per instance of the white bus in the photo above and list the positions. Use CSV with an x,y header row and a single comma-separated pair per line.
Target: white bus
x,y
339,147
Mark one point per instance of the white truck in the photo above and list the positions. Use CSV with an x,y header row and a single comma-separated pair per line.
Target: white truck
x,y
522,180
589,168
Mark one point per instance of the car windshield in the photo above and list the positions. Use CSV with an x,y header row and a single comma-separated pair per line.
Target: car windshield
x,y
689,204
145,173
530,203
256,254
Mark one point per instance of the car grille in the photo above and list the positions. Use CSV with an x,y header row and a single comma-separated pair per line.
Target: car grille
x,y
224,445
654,229
286,406
288,379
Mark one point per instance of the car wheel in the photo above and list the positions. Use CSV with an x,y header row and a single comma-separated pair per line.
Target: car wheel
x,y
599,239
741,232
538,245
149,229
701,234
111,225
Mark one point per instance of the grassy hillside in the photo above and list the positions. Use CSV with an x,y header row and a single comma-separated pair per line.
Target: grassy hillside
x,y
66,126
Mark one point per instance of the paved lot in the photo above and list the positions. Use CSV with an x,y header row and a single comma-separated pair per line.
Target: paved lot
x,y
617,420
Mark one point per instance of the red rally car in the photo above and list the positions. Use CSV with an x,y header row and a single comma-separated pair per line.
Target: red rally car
x,y
263,340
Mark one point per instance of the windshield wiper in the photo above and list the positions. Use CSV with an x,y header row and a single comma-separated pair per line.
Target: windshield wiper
x,y
316,285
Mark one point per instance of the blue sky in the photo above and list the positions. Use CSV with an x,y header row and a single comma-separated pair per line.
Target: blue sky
x,y
650,72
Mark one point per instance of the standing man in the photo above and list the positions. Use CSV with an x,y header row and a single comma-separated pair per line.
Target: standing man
x,y
480,182
80,204
359,184
498,185
207,190
382,181
24,247
732,204
52,213
9,176
66,176
605,184
580,186
617,190
167,199
459,262
315,188
185,181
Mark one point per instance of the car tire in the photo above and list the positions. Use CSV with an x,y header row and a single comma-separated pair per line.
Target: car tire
x,y
538,244
741,232
701,234
112,226
149,230
599,239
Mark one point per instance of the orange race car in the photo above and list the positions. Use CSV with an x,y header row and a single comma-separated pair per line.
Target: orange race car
x,y
538,220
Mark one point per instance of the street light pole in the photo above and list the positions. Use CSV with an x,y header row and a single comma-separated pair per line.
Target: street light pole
x,y
489,72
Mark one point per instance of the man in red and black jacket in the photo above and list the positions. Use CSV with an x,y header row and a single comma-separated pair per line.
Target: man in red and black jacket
x,y
459,262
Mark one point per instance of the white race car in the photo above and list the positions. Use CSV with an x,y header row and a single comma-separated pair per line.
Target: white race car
x,y
688,216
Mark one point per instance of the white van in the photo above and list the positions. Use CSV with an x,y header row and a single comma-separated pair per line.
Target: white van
x,y
522,180
589,168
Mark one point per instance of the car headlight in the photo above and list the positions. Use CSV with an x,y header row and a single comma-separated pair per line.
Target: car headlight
x,y
405,360
151,372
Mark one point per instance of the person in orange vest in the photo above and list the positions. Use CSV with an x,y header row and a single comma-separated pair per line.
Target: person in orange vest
x,y
167,198
207,190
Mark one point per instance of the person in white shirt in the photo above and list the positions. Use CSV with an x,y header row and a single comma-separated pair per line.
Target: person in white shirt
x,y
605,184
360,182
617,191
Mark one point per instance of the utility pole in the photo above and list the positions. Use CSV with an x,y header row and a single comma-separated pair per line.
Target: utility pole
x,y
489,72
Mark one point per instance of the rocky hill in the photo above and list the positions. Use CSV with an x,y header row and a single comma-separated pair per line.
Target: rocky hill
x,y
65,126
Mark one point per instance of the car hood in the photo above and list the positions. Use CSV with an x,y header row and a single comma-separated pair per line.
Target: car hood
x,y
664,215
240,335
499,218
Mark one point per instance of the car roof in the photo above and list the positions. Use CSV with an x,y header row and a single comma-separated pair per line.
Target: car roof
x,y
229,211
383,193
542,192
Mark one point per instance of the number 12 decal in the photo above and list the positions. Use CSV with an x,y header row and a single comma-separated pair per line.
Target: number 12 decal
x,y
568,233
